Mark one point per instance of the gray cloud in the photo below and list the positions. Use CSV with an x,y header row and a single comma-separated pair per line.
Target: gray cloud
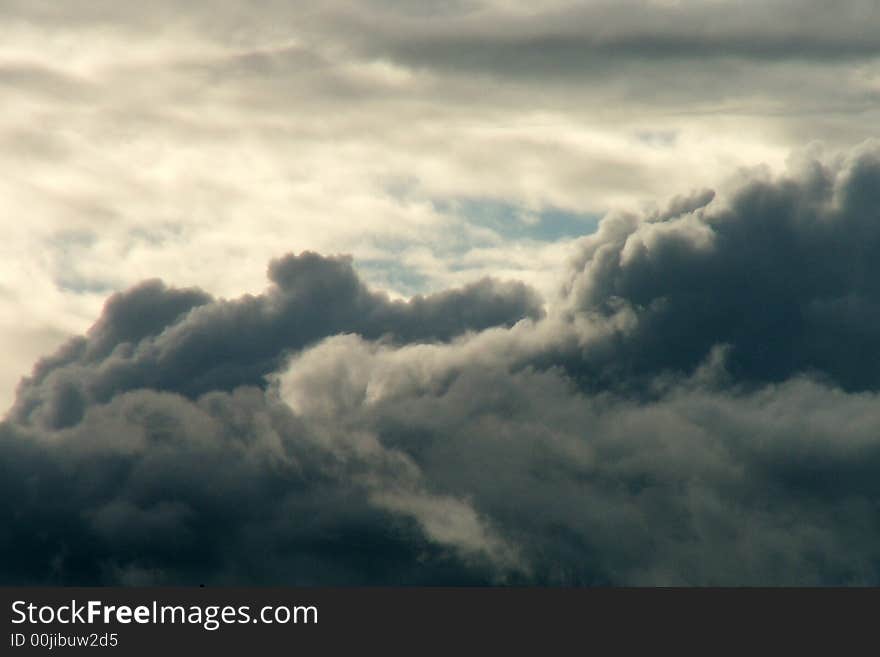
x,y
184,341
783,273
154,488
700,408
636,49
704,485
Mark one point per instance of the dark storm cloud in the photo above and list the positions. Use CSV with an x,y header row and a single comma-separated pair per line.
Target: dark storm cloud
x,y
154,488
704,486
702,412
184,341
785,273
701,408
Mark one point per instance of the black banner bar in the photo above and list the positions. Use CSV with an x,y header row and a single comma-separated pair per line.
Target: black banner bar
x,y
150,621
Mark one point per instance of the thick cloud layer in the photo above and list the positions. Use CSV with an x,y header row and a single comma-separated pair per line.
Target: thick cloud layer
x,y
154,488
700,407
784,273
702,486
566,40
183,341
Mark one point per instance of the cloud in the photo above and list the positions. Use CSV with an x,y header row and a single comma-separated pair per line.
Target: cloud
x,y
154,488
184,341
699,486
638,28
782,272
191,141
697,408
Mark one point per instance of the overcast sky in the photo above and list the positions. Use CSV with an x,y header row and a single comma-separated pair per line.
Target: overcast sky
x,y
434,141
637,233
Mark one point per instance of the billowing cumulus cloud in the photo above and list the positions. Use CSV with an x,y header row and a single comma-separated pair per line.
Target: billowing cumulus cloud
x,y
699,406
153,487
184,341
783,273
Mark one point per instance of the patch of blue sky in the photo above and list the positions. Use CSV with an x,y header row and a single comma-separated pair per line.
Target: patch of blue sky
x,y
68,248
391,274
476,224
513,222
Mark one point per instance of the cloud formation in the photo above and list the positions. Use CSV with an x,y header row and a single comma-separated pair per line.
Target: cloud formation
x,y
193,140
783,273
699,407
184,341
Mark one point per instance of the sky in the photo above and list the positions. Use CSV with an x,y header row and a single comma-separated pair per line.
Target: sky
x,y
456,292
